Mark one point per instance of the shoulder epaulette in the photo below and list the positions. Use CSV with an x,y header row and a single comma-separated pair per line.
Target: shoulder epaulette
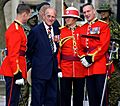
x,y
102,21
80,25
83,23
16,26
62,27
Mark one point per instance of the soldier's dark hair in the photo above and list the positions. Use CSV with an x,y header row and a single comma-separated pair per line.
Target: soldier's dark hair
x,y
23,8
86,4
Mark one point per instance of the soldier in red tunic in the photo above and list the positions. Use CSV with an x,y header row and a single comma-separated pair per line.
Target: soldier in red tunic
x,y
94,43
69,62
14,65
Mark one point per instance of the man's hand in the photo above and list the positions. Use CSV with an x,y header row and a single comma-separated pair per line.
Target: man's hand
x,y
20,81
59,73
29,65
86,61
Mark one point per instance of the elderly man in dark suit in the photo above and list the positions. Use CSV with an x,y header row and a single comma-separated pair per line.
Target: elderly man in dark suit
x,y
42,50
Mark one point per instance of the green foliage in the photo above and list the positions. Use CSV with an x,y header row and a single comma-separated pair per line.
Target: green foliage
x,y
114,86
114,82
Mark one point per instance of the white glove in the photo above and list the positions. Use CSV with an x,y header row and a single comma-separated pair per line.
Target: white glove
x,y
85,62
20,81
60,74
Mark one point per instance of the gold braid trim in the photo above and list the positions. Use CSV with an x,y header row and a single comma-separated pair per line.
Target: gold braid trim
x,y
18,68
93,55
109,63
62,41
80,56
74,42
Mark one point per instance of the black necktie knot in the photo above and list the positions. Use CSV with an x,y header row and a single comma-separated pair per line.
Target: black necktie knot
x,y
49,28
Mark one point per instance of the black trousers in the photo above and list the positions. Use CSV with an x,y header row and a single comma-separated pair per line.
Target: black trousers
x,y
12,92
95,84
66,87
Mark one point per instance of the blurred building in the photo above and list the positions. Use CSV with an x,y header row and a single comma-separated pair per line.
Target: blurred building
x,y
10,7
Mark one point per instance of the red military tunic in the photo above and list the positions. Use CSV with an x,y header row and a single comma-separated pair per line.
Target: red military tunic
x,y
68,60
95,40
16,46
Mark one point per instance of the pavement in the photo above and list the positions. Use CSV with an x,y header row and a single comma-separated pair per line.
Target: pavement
x,y
2,96
2,93
2,100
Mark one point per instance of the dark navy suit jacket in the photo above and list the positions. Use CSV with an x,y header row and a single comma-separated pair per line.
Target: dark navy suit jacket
x,y
39,52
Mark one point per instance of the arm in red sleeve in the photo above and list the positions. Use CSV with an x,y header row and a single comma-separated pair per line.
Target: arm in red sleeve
x,y
13,47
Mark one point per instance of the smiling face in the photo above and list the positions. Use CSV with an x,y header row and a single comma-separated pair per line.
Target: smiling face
x,y
50,16
70,21
89,12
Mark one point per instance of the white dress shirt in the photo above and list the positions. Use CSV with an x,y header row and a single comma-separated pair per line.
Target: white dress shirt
x,y
52,34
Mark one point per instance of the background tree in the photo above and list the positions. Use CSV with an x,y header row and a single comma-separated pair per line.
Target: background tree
x,y
2,23
118,11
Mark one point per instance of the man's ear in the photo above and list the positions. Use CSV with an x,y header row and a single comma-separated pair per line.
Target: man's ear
x,y
95,11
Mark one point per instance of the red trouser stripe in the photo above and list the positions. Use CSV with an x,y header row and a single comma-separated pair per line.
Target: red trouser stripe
x,y
11,88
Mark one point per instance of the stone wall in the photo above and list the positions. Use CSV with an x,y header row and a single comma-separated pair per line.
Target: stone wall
x,y
8,12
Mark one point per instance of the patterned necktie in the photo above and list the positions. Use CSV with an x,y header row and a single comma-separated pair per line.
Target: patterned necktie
x,y
50,39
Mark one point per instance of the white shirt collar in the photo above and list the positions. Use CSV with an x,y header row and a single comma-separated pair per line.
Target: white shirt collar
x,y
46,26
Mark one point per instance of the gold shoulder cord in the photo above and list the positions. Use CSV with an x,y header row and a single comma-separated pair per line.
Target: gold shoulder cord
x,y
74,45
62,41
